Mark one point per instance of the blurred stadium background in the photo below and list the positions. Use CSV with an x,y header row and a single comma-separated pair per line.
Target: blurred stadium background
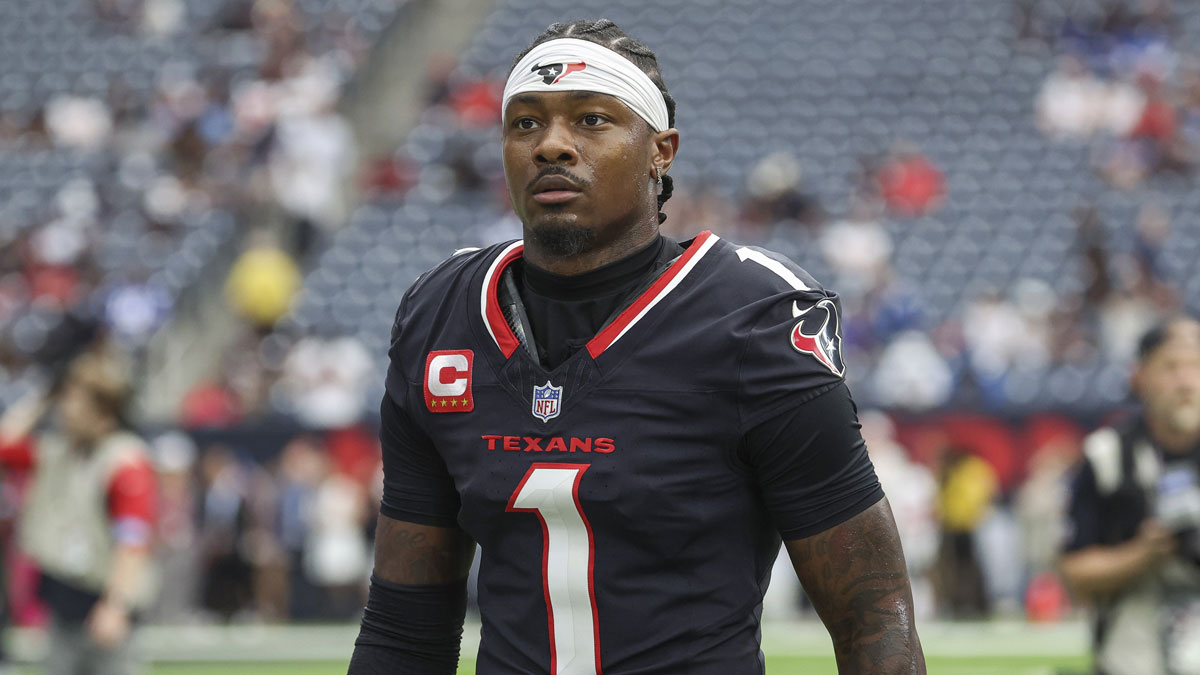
x,y
237,192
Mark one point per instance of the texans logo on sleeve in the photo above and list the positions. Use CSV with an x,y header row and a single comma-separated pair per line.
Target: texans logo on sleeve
x,y
819,334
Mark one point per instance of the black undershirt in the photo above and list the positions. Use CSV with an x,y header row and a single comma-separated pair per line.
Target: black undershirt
x,y
567,311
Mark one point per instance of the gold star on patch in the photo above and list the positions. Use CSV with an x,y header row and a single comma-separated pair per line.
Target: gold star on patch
x,y
454,402
464,402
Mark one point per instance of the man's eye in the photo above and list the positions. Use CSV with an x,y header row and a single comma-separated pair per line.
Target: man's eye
x,y
592,119
526,123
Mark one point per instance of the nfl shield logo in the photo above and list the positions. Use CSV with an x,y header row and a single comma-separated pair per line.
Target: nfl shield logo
x,y
545,401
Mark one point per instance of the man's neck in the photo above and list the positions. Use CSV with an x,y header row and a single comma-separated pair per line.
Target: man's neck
x,y
629,242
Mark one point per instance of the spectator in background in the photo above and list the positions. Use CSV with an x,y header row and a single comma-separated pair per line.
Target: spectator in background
x,y
325,381
313,151
912,491
337,558
967,491
1132,550
175,458
1040,502
211,404
910,183
776,192
911,374
998,338
89,521
226,573
859,251
1070,103
1152,230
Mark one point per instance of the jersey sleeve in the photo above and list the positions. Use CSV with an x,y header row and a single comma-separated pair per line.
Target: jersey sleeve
x,y
417,486
18,454
133,503
792,354
811,465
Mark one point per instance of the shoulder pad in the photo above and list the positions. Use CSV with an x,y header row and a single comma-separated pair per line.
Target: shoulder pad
x,y
1102,448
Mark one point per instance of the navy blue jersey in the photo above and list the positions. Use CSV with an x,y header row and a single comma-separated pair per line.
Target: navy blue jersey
x,y
630,502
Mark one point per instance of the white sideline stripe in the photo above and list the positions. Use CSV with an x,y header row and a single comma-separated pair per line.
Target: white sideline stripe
x,y
487,282
708,244
335,642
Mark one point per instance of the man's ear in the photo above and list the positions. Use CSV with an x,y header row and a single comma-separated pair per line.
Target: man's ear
x,y
666,144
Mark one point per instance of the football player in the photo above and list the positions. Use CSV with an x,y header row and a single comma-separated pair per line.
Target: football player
x,y
626,425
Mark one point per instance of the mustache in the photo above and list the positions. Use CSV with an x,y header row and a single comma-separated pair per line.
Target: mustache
x,y
557,171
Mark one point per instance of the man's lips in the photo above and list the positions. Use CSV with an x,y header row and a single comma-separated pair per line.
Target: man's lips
x,y
554,189
556,196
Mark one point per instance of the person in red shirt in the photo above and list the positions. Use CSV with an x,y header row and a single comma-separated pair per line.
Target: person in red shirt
x,y
89,518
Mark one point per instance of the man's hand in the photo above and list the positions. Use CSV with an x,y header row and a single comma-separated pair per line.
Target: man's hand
x,y
854,574
1098,571
1155,541
22,417
108,624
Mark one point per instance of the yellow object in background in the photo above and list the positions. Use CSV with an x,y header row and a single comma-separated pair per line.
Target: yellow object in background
x,y
262,283
967,493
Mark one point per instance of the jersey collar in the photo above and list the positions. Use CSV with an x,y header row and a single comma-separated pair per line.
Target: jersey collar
x,y
504,338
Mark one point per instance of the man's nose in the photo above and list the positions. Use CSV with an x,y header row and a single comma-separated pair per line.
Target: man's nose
x,y
557,145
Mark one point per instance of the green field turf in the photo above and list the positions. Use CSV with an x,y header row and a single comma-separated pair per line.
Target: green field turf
x,y
802,647
784,665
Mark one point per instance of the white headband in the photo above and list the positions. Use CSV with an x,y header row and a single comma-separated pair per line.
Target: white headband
x,y
570,64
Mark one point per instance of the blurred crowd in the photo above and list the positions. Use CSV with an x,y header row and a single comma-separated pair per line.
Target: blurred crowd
x,y
161,179
1124,84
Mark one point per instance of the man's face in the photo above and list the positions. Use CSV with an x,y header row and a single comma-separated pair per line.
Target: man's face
x,y
1168,381
80,416
578,167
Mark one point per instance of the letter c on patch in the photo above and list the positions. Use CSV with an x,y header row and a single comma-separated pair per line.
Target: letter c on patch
x,y
448,381
448,375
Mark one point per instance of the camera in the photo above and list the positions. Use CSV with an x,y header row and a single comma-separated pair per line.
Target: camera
x,y
1177,506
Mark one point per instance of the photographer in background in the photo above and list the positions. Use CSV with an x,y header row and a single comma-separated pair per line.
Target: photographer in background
x,y
88,521
1132,549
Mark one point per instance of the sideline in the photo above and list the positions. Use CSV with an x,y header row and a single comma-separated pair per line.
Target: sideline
x,y
334,642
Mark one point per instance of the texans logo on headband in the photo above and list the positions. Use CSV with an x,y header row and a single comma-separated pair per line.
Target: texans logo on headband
x,y
554,72
593,68
826,343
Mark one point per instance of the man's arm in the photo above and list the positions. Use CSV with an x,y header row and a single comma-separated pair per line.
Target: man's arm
x,y
17,425
414,615
109,621
420,555
854,574
1096,571
19,421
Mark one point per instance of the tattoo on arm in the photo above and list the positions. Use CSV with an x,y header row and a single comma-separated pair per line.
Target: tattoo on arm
x,y
854,574
408,553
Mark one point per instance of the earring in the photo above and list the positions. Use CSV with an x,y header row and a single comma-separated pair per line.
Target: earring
x,y
658,175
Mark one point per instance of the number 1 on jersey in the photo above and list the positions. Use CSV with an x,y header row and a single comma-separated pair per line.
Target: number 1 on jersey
x,y
568,555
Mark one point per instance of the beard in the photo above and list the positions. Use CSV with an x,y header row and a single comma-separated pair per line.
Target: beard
x,y
1185,418
565,240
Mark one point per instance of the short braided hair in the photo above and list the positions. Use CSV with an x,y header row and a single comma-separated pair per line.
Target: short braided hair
x,y
606,34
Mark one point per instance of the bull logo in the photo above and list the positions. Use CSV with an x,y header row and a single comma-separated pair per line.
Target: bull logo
x,y
554,72
818,333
